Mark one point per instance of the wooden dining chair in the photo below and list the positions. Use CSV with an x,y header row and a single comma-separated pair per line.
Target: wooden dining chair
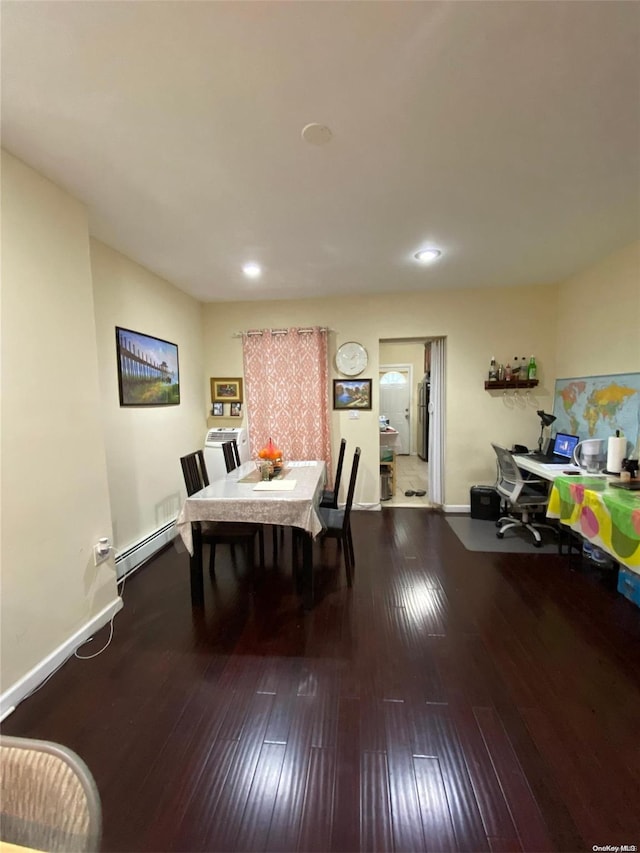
x,y
337,522
220,532
231,455
232,461
330,496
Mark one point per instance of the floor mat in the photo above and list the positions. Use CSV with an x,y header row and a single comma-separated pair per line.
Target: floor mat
x,y
478,535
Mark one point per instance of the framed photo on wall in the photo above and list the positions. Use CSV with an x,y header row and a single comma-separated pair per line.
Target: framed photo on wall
x,y
236,410
148,373
226,390
217,410
352,393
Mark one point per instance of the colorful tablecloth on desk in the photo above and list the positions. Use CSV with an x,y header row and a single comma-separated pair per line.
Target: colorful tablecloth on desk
x,y
608,517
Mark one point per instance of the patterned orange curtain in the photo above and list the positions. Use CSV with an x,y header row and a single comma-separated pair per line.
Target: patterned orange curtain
x,y
286,391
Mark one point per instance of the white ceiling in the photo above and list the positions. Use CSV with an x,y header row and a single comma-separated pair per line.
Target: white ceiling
x,y
506,133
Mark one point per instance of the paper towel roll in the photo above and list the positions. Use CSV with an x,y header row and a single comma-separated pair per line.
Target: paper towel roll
x,y
616,451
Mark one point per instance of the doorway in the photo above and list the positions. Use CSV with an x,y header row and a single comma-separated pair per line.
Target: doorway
x,y
411,357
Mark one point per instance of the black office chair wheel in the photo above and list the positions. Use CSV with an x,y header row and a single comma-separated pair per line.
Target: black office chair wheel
x,y
500,534
537,544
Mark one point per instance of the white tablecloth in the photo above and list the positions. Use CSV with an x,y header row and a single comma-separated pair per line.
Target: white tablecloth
x,y
230,499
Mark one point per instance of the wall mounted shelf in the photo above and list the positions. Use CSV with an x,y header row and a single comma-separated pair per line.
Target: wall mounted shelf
x,y
511,383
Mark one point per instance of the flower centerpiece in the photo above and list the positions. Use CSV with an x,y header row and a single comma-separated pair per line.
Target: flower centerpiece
x,y
273,456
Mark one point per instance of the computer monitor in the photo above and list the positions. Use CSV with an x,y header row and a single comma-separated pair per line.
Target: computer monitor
x,y
565,444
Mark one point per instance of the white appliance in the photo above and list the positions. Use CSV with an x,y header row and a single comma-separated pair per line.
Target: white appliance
x,y
213,455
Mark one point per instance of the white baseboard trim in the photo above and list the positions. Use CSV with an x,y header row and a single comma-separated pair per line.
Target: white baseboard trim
x,y
457,507
12,697
139,552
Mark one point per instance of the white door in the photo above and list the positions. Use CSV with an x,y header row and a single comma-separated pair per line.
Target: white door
x,y
395,402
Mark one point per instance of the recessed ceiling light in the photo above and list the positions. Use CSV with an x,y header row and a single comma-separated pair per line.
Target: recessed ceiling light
x,y
252,270
426,256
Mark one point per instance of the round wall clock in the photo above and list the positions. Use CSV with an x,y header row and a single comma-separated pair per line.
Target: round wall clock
x,y
351,358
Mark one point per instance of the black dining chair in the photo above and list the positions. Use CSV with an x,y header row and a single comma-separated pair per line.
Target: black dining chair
x,y
232,461
330,496
231,455
220,532
337,522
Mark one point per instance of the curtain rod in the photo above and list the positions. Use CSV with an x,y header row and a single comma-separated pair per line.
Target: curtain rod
x,y
252,332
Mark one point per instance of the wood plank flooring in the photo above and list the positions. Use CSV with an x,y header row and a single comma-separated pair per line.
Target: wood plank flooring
x,y
450,701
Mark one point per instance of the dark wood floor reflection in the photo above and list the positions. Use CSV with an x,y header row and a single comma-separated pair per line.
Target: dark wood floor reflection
x,y
450,701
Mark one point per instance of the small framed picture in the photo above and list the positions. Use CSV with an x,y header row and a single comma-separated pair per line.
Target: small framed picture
x,y
236,410
217,410
226,390
352,393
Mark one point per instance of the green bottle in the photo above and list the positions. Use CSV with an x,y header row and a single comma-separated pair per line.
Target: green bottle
x,y
531,374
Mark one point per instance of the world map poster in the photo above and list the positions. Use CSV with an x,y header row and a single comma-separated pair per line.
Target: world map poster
x,y
597,406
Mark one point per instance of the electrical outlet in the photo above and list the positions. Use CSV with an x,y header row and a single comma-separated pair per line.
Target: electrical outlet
x,y
101,552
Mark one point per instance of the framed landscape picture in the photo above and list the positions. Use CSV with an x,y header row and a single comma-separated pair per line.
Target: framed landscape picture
x,y
352,393
148,373
226,390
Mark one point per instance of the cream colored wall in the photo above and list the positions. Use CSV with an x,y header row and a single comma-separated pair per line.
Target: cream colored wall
x,y
143,445
598,312
476,323
55,499
407,352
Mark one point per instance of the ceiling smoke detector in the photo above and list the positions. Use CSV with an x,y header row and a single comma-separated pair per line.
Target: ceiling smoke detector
x,y
316,134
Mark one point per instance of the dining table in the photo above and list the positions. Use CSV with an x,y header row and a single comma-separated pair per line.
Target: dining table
x,y
291,499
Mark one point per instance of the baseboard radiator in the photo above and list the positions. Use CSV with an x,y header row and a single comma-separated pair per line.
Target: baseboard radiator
x,y
142,550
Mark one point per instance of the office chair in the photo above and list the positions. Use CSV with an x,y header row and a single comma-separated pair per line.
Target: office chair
x,y
220,532
49,799
337,522
520,495
330,496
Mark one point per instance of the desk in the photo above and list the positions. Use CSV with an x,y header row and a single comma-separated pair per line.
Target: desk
x,y
231,499
542,469
609,518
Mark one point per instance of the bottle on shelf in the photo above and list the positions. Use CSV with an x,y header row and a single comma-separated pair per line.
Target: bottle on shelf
x,y
508,373
524,369
515,369
500,372
493,370
533,370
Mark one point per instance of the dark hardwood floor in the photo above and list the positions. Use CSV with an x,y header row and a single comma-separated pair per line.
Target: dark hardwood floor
x,y
449,701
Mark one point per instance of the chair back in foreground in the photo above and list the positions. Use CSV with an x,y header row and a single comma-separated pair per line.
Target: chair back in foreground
x,y
213,533
49,799
330,496
194,471
337,522
522,496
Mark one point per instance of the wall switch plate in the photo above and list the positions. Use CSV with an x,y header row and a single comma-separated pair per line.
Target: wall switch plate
x,y
354,416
